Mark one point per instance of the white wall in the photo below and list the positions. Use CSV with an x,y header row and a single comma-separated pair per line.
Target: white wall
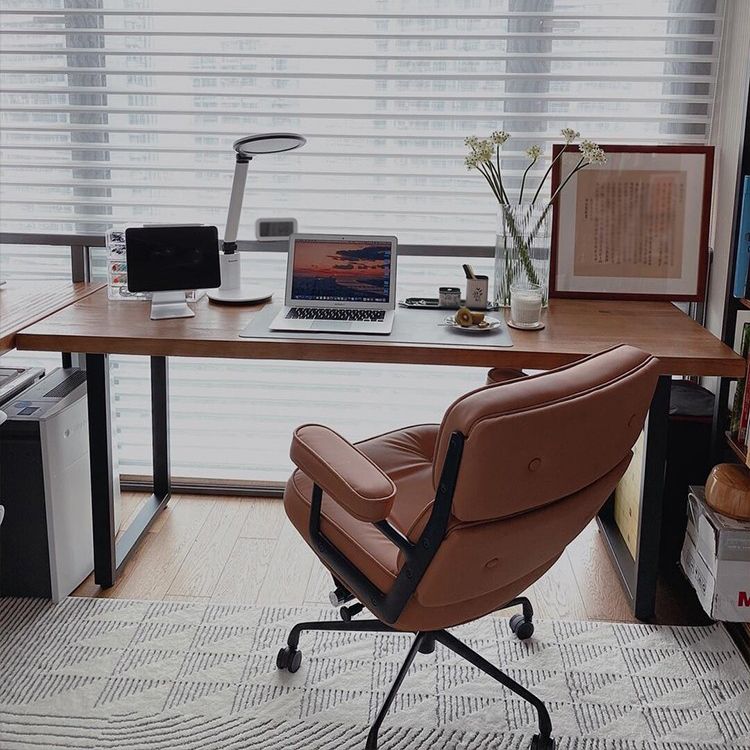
x,y
727,133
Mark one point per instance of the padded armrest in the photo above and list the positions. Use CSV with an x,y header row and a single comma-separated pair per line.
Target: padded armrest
x,y
348,476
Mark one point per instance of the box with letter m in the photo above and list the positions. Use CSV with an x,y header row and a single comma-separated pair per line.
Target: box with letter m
x,y
716,560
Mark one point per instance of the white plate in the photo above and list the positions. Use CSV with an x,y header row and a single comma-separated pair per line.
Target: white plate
x,y
494,324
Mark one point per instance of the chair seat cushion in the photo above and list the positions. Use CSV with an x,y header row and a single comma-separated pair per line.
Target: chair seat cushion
x,y
406,457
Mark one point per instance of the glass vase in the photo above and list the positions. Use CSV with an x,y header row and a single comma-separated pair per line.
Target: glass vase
x,y
522,249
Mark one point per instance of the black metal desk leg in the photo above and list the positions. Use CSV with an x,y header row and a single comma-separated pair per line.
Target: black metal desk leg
x,y
160,425
652,502
639,575
111,553
102,476
130,537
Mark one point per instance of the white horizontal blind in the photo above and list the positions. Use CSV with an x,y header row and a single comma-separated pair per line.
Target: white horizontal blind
x,y
124,111
117,112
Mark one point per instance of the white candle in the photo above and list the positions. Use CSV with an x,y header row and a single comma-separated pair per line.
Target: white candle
x,y
526,305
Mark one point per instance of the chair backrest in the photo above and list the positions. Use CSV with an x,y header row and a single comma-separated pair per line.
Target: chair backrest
x,y
541,456
535,441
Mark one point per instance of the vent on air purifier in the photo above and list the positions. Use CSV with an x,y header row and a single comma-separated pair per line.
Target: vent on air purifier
x,y
68,385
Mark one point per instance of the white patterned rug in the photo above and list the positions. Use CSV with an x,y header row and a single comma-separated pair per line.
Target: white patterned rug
x,y
131,675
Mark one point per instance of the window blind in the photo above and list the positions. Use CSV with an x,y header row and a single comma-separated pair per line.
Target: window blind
x,y
118,112
124,111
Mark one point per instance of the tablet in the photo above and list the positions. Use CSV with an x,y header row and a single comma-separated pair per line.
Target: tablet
x,y
172,258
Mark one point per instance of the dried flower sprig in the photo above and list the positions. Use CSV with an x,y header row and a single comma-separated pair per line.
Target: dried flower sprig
x,y
533,152
482,151
480,157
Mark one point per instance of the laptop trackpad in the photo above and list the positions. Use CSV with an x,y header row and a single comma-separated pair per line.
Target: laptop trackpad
x,y
330,325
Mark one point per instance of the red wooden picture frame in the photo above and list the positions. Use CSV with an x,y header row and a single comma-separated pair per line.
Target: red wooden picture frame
x,y
702,270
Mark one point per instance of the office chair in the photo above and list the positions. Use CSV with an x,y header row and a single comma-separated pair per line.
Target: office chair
x,y
433,526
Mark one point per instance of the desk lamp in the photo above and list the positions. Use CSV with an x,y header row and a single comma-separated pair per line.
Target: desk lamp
x,y
231,289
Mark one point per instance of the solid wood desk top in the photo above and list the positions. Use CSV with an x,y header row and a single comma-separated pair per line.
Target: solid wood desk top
x,y
575,328
25,302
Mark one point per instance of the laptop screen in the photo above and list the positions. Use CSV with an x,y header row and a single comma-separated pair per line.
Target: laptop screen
x,y
341,270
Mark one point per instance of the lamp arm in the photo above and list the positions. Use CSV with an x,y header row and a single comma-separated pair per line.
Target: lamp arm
x,y
229,245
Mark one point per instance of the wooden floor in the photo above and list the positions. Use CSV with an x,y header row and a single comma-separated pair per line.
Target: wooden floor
x,y
243,550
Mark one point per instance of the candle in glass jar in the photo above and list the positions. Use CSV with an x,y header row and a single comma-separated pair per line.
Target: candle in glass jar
x,y
526,304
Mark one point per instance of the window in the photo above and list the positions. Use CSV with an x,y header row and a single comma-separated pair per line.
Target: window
x,y
117,112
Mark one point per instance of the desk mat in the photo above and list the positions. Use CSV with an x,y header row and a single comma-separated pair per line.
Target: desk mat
x,y
409,327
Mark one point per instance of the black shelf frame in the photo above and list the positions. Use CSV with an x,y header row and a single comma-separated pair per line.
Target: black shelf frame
x,y
721,449
724,449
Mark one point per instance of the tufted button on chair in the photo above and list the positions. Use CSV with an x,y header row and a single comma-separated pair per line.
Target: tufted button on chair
x,y
436,525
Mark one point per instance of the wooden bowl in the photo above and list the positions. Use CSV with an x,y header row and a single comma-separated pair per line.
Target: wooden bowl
x,y
728,491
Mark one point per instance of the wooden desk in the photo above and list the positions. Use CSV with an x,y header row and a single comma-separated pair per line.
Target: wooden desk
x,y
575,328
23,303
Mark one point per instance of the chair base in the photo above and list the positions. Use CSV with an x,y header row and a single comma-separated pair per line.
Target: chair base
x,y
424,642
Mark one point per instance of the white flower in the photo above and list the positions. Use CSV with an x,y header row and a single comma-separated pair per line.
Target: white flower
x,y
533,152
481,150
499,137
484,150
569,134
592,153
586,146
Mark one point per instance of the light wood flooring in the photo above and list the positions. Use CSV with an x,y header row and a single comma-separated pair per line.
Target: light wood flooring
x,y
243,550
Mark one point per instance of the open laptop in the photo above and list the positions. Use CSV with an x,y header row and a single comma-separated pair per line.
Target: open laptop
x,y
339,284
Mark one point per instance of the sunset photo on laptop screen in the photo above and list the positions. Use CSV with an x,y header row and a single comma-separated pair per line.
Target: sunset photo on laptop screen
x,y
344,270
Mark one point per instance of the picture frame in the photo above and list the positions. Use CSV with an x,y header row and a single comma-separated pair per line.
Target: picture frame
x,y
634,228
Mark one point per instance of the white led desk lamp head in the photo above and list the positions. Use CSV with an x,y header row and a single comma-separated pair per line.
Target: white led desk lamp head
x,y
232,289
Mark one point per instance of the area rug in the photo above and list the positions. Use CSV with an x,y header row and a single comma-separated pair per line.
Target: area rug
x,y
135,675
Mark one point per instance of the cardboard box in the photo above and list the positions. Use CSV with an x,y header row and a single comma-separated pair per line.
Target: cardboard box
x,y
716,560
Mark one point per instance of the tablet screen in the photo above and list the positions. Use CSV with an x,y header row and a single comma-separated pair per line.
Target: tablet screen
x,y
162,259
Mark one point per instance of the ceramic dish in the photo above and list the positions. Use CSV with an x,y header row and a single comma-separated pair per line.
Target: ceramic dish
x,y
494,324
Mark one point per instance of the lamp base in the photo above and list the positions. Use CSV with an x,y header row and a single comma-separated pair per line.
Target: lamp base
x,y
232,291
244,295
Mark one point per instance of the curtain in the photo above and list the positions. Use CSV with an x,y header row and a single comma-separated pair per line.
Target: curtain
x,y
121,112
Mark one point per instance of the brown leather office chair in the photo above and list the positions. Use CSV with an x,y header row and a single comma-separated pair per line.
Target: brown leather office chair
x,y
433,526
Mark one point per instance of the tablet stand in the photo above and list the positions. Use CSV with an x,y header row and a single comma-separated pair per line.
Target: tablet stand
x,y
170,305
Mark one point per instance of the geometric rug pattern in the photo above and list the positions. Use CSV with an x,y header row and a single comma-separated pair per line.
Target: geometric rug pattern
x,y
134,675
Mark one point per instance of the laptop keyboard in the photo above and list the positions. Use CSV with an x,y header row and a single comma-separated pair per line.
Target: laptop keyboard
x,y
326,313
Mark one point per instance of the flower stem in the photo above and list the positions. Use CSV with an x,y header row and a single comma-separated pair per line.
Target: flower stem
x,y
578,167
499,179
521,244
499,173
523,181
546,174
491,183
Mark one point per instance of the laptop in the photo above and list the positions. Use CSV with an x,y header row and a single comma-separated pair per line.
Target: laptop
x,y
339,284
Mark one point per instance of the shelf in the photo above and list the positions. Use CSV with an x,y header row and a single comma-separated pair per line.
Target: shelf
x,y
736,447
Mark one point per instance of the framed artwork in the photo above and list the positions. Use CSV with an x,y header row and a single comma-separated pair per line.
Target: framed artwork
x,y
635,227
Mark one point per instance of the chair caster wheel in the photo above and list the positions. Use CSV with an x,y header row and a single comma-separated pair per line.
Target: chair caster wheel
x,y
522,627
541,743
289,660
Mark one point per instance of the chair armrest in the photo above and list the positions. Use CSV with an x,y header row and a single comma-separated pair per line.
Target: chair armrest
x,y
349,477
